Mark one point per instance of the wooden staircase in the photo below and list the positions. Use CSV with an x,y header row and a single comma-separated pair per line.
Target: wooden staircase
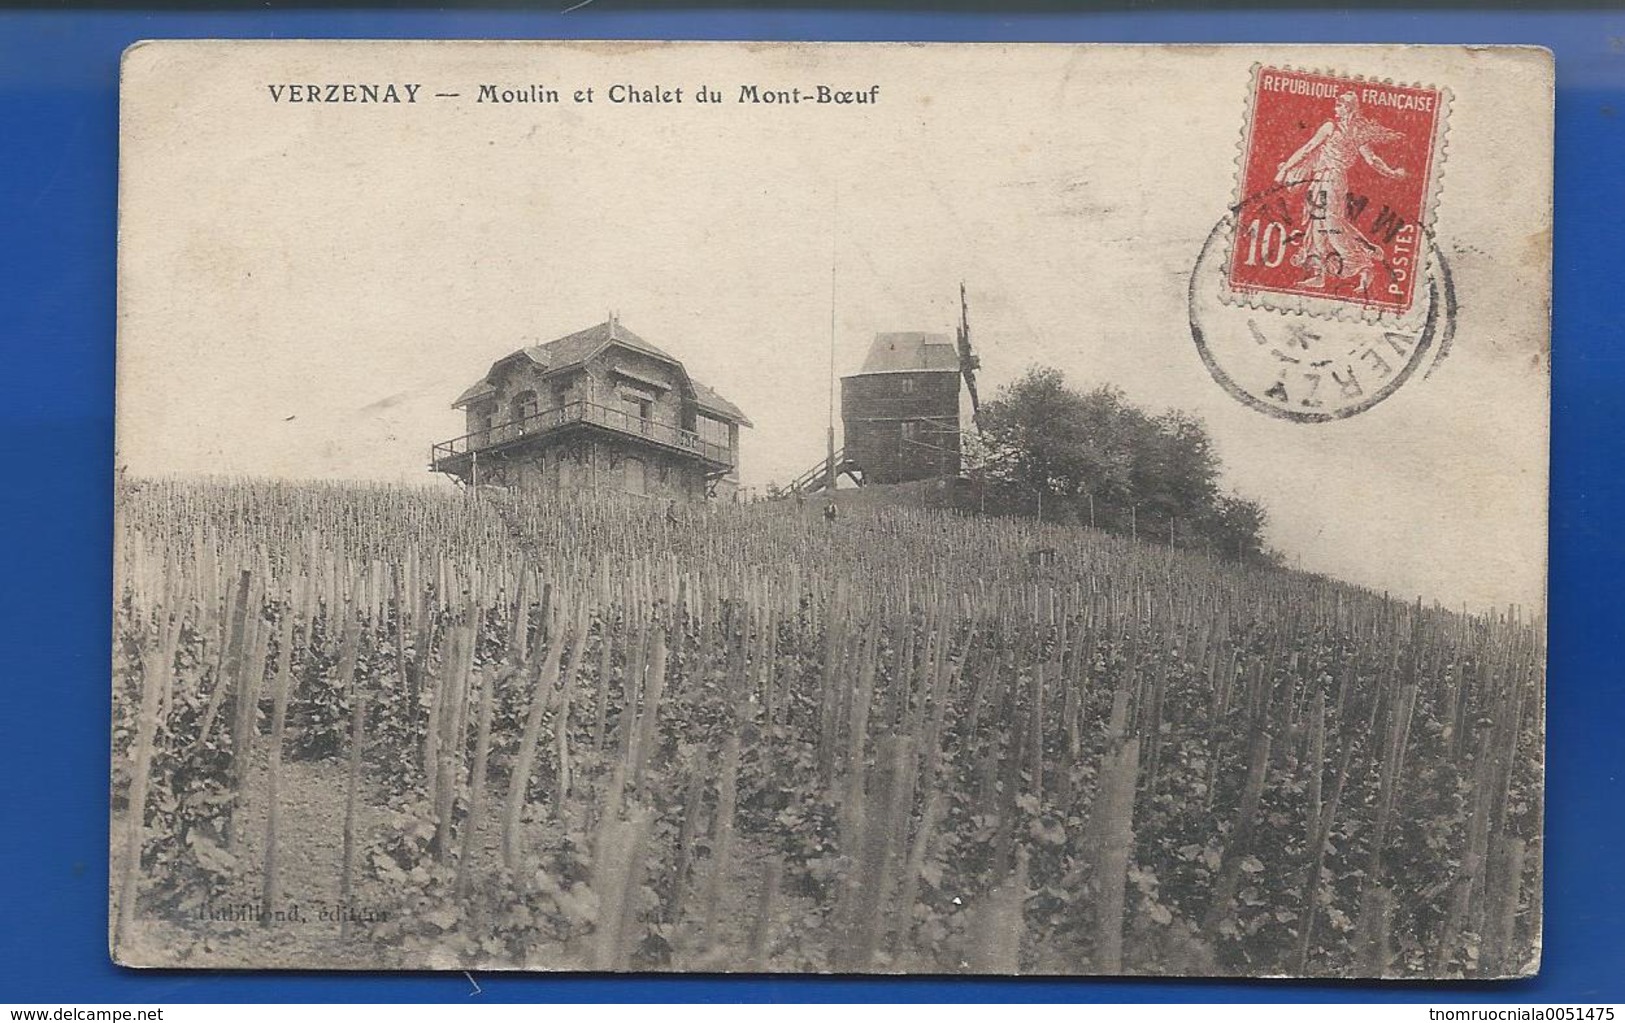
x,y
813,480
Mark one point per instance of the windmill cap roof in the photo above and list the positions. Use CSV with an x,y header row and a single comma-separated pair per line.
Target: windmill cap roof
x,y
911,351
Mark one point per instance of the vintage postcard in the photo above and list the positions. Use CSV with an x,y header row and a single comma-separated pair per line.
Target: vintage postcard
x,y
856,508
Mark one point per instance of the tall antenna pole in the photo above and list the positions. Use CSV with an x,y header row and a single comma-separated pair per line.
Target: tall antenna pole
x,y
829,451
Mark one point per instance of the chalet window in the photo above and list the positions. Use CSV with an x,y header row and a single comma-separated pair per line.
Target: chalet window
x,y
908,385
524,405
911,431
638,412
714,431
638,404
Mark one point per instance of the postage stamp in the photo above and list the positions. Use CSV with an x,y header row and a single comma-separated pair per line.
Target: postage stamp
x,y
1335,192
1311,369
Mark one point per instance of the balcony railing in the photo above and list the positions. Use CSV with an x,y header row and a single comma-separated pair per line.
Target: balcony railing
x,y
548,420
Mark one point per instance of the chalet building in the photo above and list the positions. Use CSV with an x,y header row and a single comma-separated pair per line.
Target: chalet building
x,y
600,409
901,410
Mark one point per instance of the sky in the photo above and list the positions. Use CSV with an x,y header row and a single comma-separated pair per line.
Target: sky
x,y
305,288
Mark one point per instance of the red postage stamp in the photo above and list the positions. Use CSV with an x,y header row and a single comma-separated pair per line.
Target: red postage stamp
x,y
1336,192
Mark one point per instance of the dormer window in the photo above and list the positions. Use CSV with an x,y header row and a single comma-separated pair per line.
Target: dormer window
x,y
639,381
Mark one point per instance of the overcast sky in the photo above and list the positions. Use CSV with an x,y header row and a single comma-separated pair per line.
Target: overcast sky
x,y
305,288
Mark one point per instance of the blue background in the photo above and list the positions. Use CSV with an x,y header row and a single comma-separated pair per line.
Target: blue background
x,y
58,147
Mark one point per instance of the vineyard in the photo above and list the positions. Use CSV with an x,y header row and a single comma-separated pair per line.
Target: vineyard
x,y
385,727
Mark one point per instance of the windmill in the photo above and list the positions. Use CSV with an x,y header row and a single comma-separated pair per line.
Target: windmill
x,y
901,412
969,361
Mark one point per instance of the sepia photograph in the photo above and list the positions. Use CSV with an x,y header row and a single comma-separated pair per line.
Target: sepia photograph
x,y
853,508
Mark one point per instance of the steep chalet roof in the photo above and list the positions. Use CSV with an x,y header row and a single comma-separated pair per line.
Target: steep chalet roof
x,y
711,401
474,392
911,351
573,350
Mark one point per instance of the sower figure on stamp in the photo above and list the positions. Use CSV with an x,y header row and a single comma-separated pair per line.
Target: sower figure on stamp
x,y
1331,243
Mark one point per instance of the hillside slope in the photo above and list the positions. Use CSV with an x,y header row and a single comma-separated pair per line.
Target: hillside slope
x,y
754,739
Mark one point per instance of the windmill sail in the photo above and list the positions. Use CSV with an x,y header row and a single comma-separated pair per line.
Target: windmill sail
x,y
969,363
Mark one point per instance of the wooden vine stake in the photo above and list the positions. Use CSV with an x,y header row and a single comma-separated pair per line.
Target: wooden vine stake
x,y
561,718
478,783
1372,942
915,868
617,873
449,753
648,718
135,826
525,762
996,944
244,723
722,838
352,793
1501,911
231,652
270,890
760,944
1118,781
874,854
686,835
1239,848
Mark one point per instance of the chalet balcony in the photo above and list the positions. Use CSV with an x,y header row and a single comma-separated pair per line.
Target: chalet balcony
x,y
457,455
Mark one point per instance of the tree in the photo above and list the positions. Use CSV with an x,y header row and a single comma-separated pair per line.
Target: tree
x,y
1239,528
1176,472
1035,439
1097,457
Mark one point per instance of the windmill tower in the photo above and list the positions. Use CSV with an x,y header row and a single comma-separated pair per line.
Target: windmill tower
x,y
900,411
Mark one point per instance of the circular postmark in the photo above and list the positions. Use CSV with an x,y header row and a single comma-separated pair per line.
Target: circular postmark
x,y
1308,368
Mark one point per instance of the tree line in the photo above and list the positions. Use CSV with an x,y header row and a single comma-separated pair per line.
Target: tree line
x,y
1095,458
